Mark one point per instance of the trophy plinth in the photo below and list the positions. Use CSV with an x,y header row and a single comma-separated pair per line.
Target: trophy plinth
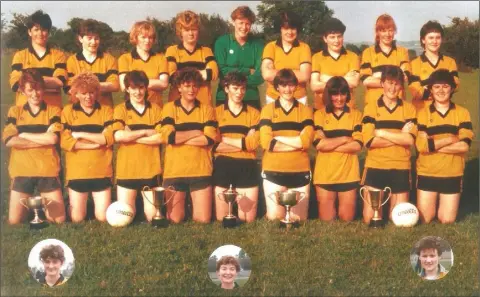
x,y
376,198
230,197
158,201
160,222
37,205
288,199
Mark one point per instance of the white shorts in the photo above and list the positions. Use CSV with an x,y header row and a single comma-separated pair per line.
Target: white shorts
x,y
302,100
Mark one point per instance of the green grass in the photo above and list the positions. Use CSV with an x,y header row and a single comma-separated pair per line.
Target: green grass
x,y
329,259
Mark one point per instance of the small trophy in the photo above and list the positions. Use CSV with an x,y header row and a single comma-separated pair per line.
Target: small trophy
x,y
229,196
376,198
157,200
37,204
288,199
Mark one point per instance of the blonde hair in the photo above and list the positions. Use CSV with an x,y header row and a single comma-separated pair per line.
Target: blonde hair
x,y
385,21
84,82
144,27
186,20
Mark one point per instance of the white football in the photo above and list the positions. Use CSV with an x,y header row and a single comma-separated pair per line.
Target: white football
x,y
120,214
405,215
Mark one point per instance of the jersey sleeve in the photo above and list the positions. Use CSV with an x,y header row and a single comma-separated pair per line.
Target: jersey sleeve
x,y
210,64
123,64
54,120
67,142
158,119
111,74
256,78
404,61
10,129
354,62
454,70
211,125
71,72
171,59
423,142
316,63
411,116
265,126
366,65
306,55
250,142
162,65
318,121
119,118
17,67
465,129
308,130
357,127
108,126
60,70
368,124
414,85
220,52
168,124
269,52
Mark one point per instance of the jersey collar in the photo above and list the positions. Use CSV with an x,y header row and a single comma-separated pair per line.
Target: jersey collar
x,y
135,55
326,53
295,43
33,52
129,106
43,106
59,281
278,105
76,106
197,47
81,57
380,103
424,59
329,109
433,109
178,103
226,107
379,50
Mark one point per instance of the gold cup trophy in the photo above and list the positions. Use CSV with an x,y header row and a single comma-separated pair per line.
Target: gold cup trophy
x,y
229,196
157,199
37,204
287,199
376,198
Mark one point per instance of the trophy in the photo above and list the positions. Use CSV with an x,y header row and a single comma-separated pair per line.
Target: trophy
x,y
287,199
229,196
376,198
37,204
157,200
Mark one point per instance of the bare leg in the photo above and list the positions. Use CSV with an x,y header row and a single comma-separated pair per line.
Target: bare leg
x,y
448,209
55,211
78,205
202,205
102,200
427,205
346,205
274,211
176,208
247,204
17,213
326,204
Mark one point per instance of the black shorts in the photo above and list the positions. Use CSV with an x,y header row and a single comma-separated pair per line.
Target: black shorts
x,y
27,184
240,173
183,184
399,180
288,179
443,185
90,185
343,187
252,103
138,184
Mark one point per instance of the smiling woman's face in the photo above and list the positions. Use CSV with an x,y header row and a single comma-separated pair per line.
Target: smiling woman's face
x,y
227,273
52,266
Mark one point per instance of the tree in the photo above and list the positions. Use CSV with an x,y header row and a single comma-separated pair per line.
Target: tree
x,y
17,35
213,26
352,47
313,14
165,34
412,54
461,42
107,41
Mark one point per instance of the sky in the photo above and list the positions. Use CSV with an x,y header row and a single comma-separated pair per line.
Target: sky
x,y
358,16
229,249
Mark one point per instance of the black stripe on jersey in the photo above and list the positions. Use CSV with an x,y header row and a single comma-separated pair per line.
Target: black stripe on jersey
x,y
338,133
367,119
32,128
363,77
466,125
171,59
17,66
254,127
414,78
454,73
11,120
466,140
287,126
366,65
378,68
118,120
189,126
212,124
55,119
197,65
101,77
70,74
234,129
45,71
357,128
264,122
403,62
111,71
209,58
442,129
15,87
315,142
389,124
168,121
318,128
91,128
413,120
307,122
108,123
424,82
61,65
135,127
422,128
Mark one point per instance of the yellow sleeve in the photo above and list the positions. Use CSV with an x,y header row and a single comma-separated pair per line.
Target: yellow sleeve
x,y
306,55
162,65
211,125
414,85
366,64
17,66
71,72
423,143
308,130
54,119
108,126
123,64
119,117
318,120
454,70
111,74
404,61
357,127
168,124
265,126
60,70
316,63
269,51
10,128
368,124
411,116
354,62
210,64
67,142
250,142
171,59
158,119
465,132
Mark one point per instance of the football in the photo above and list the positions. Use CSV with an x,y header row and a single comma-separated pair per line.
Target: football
x,y
120,214
405,215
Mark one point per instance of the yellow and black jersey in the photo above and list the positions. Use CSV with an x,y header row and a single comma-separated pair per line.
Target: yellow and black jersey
x,y
239,126
324,63
336,167
379,116
421,70
201,58
52,64
42,161
154,66
87,164
136,160
299,54
183,160
456,121
104,67
375,60
275,121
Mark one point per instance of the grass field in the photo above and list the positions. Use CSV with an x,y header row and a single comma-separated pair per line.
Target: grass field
x,y
318,259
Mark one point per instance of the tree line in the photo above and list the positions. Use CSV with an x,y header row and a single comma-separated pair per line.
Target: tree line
x,y
461,39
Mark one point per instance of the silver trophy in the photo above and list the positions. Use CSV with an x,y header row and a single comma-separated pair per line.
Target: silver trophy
x,y
287,199
37,204
156,197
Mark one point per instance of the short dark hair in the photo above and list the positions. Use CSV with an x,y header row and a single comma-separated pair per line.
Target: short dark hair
x,y
52,251
225,260
285,77
135,78
429,243
235,78
41,19
335,85
187,74
333,25
33,77
393,73
89,27
441,76
428,27
288,19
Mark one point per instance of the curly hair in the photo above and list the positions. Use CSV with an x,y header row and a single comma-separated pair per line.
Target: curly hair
x,y
225,260
235,78
186,20
142,27
187,74
84,82
52,251
33,77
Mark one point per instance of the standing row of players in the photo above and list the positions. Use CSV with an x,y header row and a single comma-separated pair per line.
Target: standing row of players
x,y
243,54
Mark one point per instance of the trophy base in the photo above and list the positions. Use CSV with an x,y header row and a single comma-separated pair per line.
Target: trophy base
x,y
38,226
289,225
160,222
376,224
229,222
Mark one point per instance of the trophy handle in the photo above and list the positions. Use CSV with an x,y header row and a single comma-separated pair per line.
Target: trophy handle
x,y
146,188
22,202
49,201
389,195
273,199
219,196
302,196
361,196
171,189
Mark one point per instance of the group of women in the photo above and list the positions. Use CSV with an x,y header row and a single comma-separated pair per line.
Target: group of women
x,y
193,130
